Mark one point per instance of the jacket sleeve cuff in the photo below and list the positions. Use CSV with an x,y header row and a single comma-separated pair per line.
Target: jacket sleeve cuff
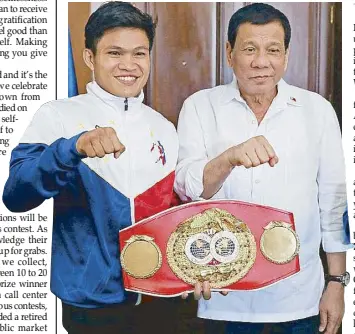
x,y
66,152
334,242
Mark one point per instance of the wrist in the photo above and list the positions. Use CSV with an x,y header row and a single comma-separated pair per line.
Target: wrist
x,y
336,286
228,157
340,280
78,145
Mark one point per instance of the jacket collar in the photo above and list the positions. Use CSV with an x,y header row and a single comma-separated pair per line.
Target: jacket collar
x,y
117,101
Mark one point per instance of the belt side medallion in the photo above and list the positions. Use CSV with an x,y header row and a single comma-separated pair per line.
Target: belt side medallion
x,y
141,257
279,243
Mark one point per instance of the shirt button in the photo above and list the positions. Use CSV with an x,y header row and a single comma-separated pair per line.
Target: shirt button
x,y
253,121
257,181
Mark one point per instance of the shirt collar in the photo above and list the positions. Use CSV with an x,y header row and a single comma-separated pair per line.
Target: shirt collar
x,y
95,89
231,92
283,98
286,96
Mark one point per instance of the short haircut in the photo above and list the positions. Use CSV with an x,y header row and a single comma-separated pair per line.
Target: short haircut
x,y
259,14
117,14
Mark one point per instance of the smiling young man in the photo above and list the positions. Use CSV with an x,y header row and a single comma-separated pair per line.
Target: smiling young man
x,y
107,160
261,140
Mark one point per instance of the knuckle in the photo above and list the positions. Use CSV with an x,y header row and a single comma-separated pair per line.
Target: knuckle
x,y
261,137
333,318
258,140
240,148
107,148
253,140
111,132
99,153
98,131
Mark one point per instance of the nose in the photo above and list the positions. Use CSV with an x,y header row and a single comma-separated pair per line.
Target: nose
x,y
127,63
261,60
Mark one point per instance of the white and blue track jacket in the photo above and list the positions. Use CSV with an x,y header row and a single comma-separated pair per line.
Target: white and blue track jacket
x,y
93,197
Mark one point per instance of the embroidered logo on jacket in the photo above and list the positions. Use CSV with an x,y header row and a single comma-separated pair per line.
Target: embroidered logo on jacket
x,y
159,148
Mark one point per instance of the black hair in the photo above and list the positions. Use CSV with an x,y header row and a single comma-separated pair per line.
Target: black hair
x,y
116,14
258,13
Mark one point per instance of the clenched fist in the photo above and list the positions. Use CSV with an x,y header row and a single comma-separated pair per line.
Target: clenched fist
x,y
99,142
252,153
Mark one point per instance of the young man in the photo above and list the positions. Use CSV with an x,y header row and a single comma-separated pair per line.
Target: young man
x,y
261,140
107,160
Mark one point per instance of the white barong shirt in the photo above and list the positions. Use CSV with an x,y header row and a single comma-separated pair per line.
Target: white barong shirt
x,y
309,180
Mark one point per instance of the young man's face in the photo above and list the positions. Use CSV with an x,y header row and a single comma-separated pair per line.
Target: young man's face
x,y
121,64
259,58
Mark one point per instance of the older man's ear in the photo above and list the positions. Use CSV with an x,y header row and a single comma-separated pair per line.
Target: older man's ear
x,y
286,58
229,51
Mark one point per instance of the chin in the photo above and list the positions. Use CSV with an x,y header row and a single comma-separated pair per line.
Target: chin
x,y
263,89
125,92
131,94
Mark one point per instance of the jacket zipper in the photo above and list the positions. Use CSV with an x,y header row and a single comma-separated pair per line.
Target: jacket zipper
x,y
131,199
126,104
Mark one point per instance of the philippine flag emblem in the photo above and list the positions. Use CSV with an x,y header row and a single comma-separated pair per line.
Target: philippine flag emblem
x,y
158,148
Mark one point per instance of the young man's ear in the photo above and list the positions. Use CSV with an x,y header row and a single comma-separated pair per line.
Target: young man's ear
x,y
88,57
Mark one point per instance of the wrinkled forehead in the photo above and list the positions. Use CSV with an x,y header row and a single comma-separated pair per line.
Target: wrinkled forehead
x,y
260,33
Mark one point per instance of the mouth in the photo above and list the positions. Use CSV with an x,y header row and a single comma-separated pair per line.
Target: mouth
x,y
260,78
127,80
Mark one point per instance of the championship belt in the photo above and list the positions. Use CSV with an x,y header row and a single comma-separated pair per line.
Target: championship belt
x,y
233,245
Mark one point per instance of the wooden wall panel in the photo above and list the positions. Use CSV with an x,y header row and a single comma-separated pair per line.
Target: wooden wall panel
x,y
227,9
301,46
184,54
78,14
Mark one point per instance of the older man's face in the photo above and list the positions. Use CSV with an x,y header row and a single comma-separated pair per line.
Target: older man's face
x,y
259,58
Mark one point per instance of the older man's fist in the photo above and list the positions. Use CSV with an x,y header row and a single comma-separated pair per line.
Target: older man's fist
x,y
252,153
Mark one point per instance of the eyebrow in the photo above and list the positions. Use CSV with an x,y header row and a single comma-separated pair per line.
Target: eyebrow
x,y
275,43
268,44
115,47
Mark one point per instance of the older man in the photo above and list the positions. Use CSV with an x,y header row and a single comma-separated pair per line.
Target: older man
x,y
261,140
